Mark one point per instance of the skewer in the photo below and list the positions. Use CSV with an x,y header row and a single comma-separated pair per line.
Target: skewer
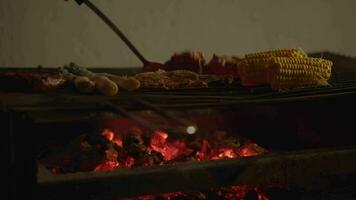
x,y
113,27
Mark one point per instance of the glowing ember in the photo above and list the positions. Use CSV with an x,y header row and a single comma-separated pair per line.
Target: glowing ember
x,y
228,193
240,192
108,134
227,153
111,136
202,154
251,149
111,154
169,150
107,165
56,170
126,148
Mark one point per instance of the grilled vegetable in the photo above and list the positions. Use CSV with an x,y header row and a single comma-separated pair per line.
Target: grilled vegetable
x,y
82,83
105,86
124,82
294,53
102,84
284,68
254,71
79,70
296,72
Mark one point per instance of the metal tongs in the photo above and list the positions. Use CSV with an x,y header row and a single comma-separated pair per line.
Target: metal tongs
x,y
147,65
184,126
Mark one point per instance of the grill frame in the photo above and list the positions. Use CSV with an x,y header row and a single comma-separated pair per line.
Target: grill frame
x,y
302,168
21,110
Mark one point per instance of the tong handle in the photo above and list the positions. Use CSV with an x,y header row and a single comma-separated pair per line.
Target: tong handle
x,y
113,27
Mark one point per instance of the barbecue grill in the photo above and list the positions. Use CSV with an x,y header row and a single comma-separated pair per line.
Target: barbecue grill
x,y
308,131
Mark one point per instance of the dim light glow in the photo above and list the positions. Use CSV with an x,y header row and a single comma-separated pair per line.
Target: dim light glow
x,y
191,130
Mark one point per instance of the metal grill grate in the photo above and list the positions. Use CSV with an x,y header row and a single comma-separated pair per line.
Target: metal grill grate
x,y
342,84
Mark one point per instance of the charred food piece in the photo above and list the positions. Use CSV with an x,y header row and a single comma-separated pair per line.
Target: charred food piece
x,y
31,81
153,80
177,79
223,65
188,60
